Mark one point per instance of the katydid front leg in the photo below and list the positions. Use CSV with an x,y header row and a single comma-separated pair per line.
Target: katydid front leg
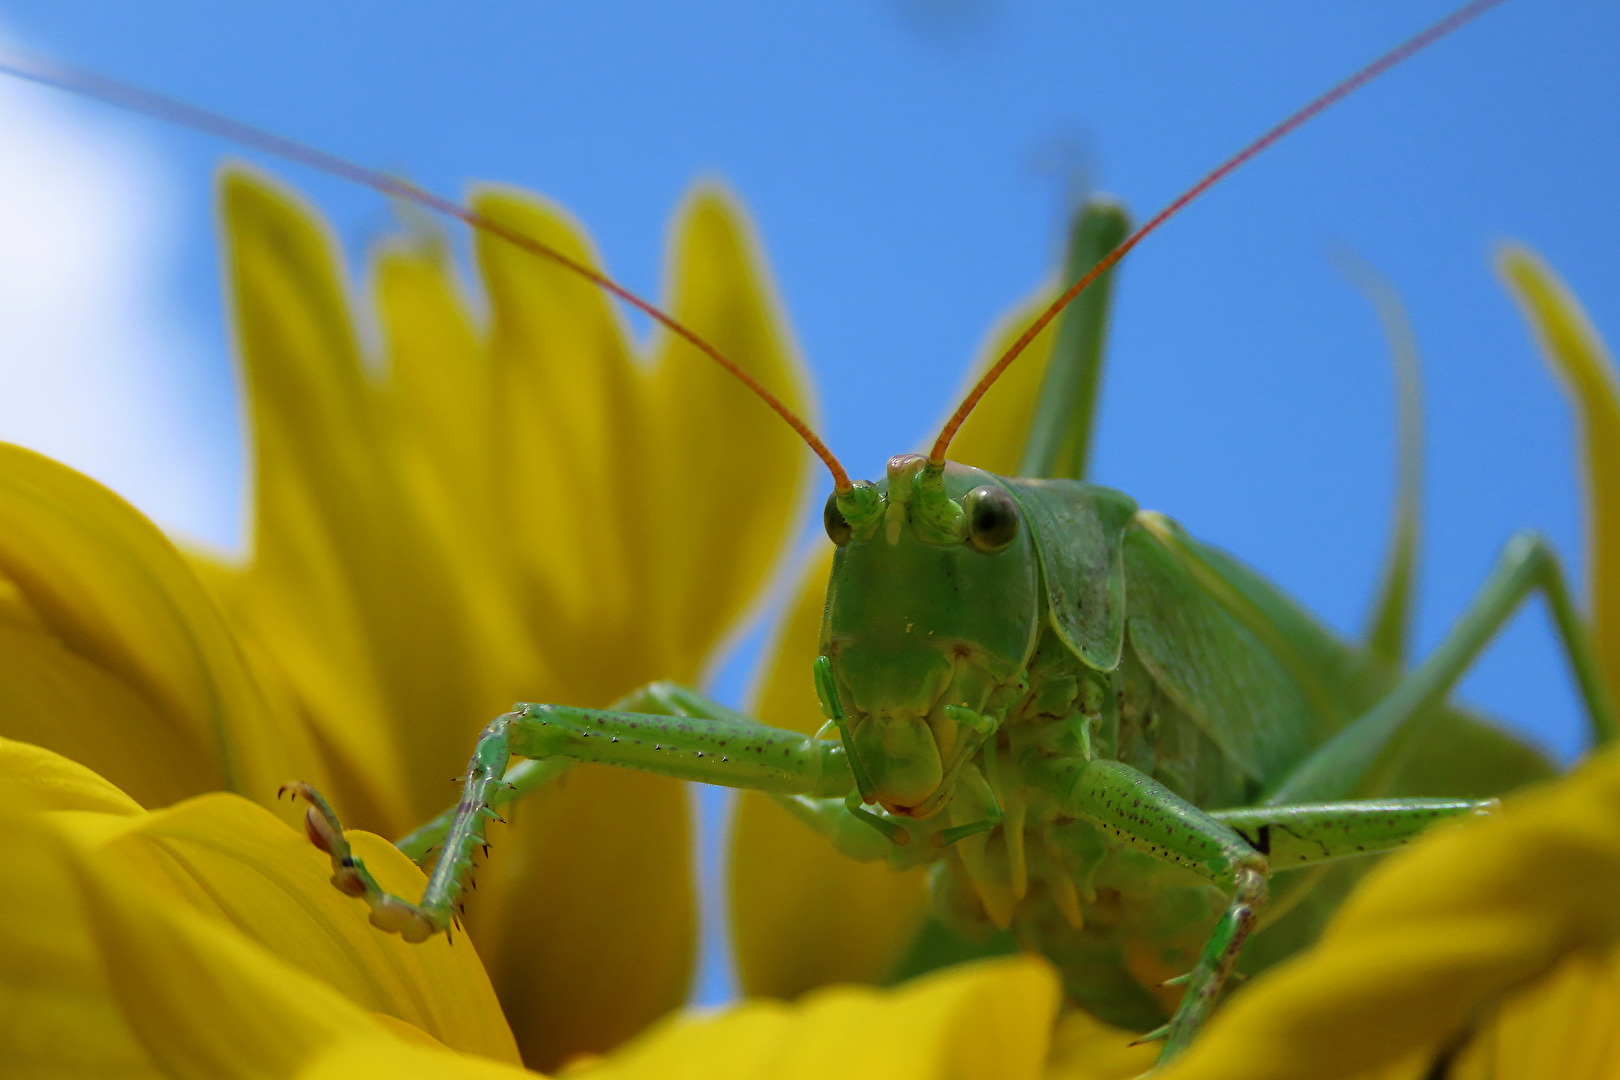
x,y
720,748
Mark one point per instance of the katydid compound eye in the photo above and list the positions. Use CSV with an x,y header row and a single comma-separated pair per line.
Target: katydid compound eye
x,y
992,518
838,530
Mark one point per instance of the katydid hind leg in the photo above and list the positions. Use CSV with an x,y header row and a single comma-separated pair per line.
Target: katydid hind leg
x,y
720,747
1358,758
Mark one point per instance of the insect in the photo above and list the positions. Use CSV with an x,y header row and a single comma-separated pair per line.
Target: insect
x,y
1049,695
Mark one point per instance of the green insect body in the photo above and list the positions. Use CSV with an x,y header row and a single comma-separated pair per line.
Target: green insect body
x,y
1108,739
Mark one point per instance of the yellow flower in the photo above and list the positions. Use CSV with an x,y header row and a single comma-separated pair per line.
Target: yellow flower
x,y
204,941
528,511
536,508
1491,950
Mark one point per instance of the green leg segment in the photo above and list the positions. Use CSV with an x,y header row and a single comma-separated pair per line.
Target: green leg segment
x,y
661,698
718,748
1149,816
1359,755
1234,849
1310,834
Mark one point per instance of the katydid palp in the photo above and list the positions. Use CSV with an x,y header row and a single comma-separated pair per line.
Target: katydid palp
x,y
1035,686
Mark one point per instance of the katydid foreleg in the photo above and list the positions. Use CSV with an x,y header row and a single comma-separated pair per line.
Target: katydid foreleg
x,y
717,748
663,698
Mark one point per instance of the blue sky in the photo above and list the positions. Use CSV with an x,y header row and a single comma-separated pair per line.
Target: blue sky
x,y
906,163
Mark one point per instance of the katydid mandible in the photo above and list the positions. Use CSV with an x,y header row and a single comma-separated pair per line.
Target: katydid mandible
x,y
1099,733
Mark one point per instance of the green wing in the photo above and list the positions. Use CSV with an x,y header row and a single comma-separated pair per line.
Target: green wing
x,y
1219,657
1077,529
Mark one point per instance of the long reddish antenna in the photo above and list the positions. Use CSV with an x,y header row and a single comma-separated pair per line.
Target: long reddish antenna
x,y
1466,13
135,99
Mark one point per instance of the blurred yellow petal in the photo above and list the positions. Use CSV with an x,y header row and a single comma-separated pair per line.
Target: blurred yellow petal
x,y
586,911
1437,940
523,511
1577,353
396,1059
1084,1048
341,583
802,914
124,639
569,427
989,1020
992,437
729,472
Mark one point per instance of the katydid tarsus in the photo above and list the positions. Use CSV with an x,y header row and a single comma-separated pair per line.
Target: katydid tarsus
x,y
1099,732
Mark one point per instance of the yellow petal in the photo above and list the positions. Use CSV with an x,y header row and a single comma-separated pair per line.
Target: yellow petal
x,y
1435,939
802,914
586,910
440,392
224,856
568,433
992,437
112,602
729,473
1568,1027
345,585
1084,1048
1572,345
397,1060
58,1018
990,1020
42,780
208,1003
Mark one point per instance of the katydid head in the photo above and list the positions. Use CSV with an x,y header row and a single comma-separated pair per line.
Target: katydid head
x,y
934,605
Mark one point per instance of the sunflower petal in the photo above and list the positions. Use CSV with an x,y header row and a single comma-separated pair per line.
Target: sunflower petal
x,y
569,429
224,856
347,587
57,1014
1572,345
730,473
991,1020
115,611
43,780
992,437
1434,940
208,1003
587,912
802,914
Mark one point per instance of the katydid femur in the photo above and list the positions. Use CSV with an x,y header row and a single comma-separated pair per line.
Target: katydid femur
x,y
1099,732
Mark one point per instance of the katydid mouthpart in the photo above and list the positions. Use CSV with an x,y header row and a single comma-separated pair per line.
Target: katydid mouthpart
x,y
1101,734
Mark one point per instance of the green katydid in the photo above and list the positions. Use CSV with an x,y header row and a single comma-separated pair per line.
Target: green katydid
x,y
1097,731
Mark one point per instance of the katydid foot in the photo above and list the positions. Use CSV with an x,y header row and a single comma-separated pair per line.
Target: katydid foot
x,y
396,915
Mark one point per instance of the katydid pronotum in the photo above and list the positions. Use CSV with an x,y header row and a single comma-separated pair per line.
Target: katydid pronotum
x,y
1034,686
